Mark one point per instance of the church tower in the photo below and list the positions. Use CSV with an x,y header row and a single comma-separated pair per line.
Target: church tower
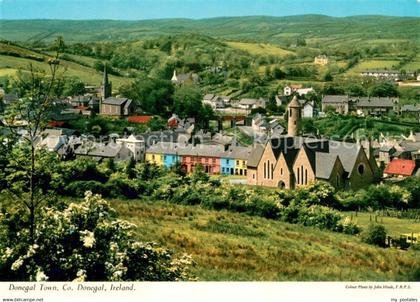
x,y
106,89
295,117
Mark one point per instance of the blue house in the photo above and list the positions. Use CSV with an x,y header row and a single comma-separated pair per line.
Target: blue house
x,y
170,159
227,166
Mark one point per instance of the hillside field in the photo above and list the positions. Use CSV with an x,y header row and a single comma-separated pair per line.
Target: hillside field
x,y
236,247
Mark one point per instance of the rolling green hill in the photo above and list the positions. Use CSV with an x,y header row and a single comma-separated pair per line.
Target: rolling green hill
x,y
14,58
258,28
232,247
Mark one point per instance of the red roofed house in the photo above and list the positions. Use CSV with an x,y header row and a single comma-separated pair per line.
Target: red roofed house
x,y
140,119
400,167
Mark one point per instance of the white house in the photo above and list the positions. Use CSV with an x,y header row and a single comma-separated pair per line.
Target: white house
x,y
136,146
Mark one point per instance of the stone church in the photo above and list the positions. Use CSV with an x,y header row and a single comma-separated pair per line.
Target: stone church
x,y
292,160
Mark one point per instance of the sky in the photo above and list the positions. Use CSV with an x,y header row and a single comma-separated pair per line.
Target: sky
x,y
199,9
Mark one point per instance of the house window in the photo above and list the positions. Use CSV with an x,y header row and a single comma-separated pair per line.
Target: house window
x,y
237,162
306,176
243,163
281,171
253,175
213,161
361,169
245,172
153,157
268,169
227,162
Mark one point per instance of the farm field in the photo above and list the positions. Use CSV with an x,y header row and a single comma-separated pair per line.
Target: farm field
x,y
233,247
373,64
260,49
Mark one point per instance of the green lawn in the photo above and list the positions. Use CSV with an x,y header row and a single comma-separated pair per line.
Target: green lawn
x,y
232,247
394,226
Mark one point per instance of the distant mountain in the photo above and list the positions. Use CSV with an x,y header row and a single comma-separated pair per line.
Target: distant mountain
x,y
277,30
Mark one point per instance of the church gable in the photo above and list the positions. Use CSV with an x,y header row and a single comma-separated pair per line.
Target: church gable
x,y
302,168
362,173
283,177
266,166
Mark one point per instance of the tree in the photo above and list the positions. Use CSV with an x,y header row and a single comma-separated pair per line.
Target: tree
x,y
278,73
152,95
83,242
328,77
384,89
375,234
37,91
356,90
74,86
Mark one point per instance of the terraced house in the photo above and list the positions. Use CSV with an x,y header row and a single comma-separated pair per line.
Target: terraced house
x,y
215,159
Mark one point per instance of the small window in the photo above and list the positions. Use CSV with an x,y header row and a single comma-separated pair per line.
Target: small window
x,y
361,169
253,176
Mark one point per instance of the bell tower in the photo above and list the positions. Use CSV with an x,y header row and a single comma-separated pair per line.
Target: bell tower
x,y
294,111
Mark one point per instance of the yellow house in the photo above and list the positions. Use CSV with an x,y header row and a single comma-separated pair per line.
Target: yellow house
x,y
153,158
240,167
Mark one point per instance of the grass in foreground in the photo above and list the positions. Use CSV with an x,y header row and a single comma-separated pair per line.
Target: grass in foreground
x,y
229,246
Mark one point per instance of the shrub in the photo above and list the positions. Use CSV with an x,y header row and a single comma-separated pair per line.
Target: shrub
x,y
375,235
79,187
350,228
84,242
319,216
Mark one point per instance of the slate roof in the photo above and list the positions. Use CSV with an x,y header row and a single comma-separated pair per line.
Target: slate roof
x,y
403,167
242,153
410,108
324,164
208,97
410,146
187,150
347,152
376,102
255,155
335,99
115,101
98,149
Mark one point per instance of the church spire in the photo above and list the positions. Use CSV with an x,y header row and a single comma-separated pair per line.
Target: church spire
x,y
106,85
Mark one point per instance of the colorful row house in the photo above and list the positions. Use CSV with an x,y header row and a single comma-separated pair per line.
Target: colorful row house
x,y
213,158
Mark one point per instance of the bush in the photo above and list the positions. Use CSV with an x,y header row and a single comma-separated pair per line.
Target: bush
x,y
375,235
320,217
84,242
350,228
122,187
79,187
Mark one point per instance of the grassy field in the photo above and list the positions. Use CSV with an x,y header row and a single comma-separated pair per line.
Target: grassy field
x,y
394,226
233,247
260,49
373,64
10,64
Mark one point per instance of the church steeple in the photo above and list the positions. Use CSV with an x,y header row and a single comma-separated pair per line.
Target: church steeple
x,y
106,85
